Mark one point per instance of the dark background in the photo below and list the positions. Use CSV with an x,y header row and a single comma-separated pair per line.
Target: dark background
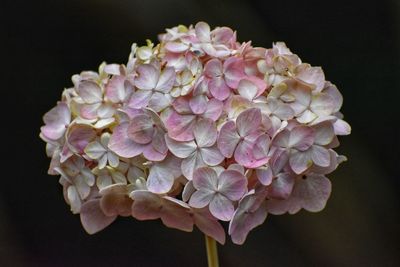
x,y
357,43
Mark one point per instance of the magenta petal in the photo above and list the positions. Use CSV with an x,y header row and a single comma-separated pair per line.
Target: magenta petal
x,y
92,217
122,145
221,207
228,139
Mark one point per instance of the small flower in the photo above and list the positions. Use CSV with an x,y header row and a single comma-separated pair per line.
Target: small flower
x,y
238,138
309,193
143,133
100,151
57,121
217,191
200,152
153,86
250,213
224,77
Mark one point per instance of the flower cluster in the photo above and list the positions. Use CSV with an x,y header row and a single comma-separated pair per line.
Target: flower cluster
x,y
196,130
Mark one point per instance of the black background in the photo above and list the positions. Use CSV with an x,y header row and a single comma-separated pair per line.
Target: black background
x,y
356,42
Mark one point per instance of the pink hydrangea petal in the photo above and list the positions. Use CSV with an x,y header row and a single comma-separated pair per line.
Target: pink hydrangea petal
x,y
159,101
232,184
202,31
324,133
261,146
243,222
213,68
219,89
205,133
341,127
180,127
191,163
221,207
302,95
176,216
180,149
146,205
122,145
201,198
320,156
281,187
140,99
92,217
56,120
209,225
141,129
322,104
176,47
310,193
211,155
116,204
166,80
116,90
265,175
300,161
90,92
150,153
79,136
214,109
198,104
301,138
205,178
234,71
182,105
247,89
89,111
222,35
248,121
228,139
148,76
160,179
312,75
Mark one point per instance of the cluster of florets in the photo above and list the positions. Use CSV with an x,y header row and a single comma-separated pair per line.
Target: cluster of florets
x,y
196,130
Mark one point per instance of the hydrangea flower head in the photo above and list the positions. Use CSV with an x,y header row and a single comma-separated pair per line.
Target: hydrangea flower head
x,y
197,130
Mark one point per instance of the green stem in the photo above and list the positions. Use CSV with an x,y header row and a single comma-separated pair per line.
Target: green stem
x,y
212,253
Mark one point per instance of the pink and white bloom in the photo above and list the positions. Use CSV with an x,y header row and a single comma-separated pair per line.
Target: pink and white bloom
x,y
143,133
237,139
223,77
196,129
218,191
200,152
153,87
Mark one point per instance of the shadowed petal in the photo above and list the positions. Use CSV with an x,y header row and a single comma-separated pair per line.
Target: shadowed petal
x,y
92,217
221,207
